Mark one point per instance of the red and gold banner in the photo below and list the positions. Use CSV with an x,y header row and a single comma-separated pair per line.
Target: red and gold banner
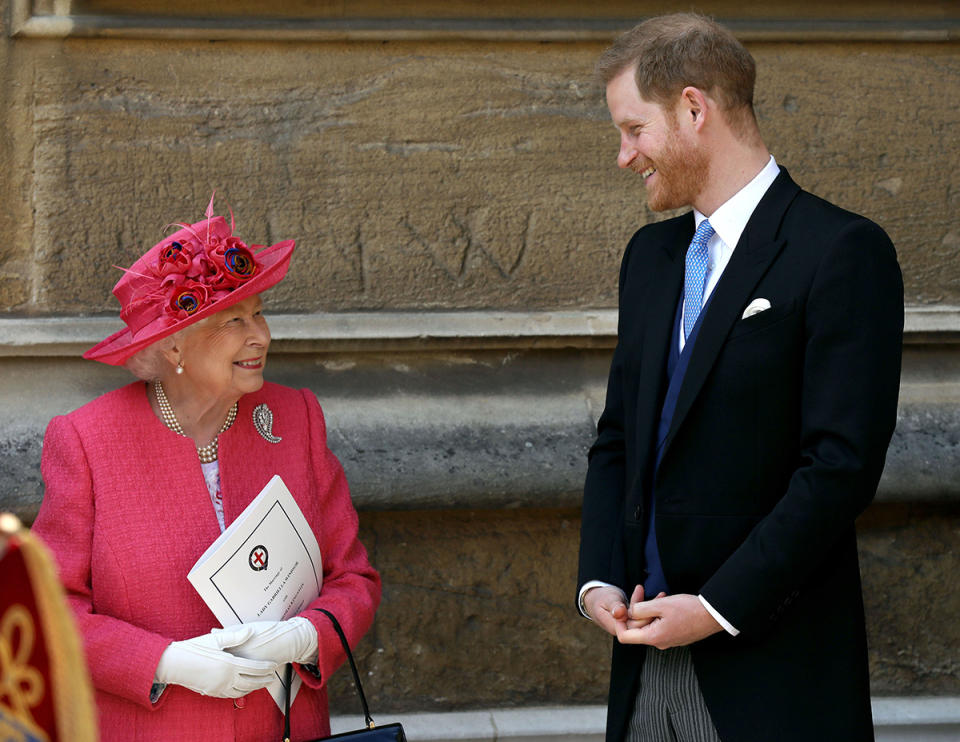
x,y
45,692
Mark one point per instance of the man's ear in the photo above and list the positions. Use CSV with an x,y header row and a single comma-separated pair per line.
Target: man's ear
x,y
694,106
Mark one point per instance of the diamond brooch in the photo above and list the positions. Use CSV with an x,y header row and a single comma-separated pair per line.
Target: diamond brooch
x,y
263,422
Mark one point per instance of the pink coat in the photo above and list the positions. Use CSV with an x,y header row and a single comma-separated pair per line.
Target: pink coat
x,y
127,513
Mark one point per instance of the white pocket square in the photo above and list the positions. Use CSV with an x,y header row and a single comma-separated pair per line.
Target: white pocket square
x,y
755,307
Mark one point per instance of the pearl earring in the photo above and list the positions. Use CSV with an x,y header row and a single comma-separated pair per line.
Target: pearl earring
x,y
179,367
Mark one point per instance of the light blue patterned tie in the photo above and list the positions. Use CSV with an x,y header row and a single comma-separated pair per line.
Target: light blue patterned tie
x,y
695,275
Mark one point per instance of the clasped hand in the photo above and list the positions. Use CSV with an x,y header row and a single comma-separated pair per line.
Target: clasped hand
x,y
205,665
663,622
293,640
231,662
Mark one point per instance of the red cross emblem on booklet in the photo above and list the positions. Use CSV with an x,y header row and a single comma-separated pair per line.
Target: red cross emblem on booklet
x,y
258,558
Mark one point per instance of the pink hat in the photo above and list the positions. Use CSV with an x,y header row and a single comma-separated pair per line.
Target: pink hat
x,y
195,272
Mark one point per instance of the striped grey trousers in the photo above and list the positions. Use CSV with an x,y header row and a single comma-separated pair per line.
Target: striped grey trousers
x,y
669,706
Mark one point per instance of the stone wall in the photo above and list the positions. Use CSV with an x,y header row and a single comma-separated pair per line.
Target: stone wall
x,y
424,175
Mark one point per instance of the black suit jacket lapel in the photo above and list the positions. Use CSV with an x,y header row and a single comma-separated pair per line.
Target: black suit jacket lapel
x,y
657,318
759,245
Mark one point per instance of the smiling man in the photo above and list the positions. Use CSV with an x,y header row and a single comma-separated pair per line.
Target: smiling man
x,y
751,399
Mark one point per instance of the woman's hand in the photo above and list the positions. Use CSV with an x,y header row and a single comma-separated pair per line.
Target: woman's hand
x,y
293,640
202,665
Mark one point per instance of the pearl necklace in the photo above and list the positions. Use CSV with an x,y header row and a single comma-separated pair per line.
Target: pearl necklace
x,y
208,453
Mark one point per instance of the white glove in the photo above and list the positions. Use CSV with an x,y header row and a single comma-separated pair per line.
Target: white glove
x,y
293,640
202,665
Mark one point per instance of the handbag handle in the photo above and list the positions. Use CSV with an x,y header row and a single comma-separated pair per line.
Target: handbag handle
x,y
288,677
368,720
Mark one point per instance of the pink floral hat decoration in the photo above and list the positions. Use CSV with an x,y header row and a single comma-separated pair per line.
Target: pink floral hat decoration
x,y
197,271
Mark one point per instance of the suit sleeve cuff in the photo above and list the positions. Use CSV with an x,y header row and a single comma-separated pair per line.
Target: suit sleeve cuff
x,y
727,626
586,587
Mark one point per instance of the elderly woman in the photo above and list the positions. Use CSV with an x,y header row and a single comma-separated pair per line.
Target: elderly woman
x,y
142,480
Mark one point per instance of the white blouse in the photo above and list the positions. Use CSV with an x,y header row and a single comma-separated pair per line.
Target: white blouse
x,y
211,474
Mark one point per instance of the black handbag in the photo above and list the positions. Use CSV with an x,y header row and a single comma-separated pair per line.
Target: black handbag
x,y
372,733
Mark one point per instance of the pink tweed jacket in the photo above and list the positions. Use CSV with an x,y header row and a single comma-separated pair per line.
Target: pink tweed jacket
x,y
127,513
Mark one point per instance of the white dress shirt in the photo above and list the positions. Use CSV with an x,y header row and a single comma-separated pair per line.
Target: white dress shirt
x,y
728,222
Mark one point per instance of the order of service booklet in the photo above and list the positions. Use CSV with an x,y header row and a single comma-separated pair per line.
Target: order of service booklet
x,y
265,566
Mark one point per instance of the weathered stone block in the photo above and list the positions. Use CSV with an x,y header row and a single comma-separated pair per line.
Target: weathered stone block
x,y
909,562
429,175
478,611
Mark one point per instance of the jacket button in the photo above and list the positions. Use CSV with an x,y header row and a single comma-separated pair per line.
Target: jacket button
x,y
637,512
239,703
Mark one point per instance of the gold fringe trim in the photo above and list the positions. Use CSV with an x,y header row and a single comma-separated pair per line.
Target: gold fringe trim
x,y
73,699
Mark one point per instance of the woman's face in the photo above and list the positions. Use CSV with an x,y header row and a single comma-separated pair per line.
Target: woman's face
x,y
223,355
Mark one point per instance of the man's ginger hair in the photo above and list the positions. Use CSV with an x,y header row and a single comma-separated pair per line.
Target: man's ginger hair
x,y
671,52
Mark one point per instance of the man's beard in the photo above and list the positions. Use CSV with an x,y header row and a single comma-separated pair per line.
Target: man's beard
x,y
682,173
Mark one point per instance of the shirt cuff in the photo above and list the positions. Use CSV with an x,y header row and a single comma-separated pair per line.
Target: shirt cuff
x,y
727,626
587,586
